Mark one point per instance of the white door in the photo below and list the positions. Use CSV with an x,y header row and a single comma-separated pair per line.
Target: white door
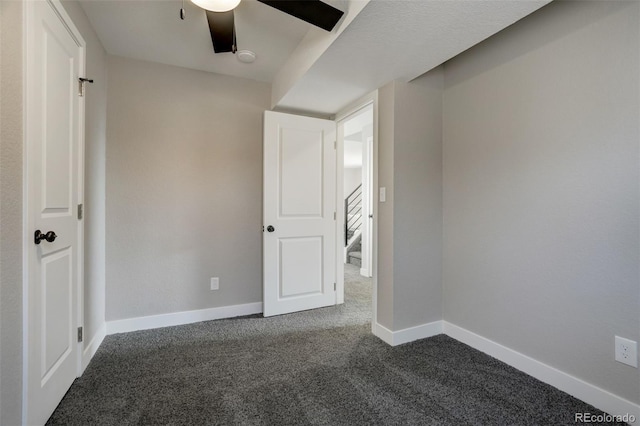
x,y
299,244
54,61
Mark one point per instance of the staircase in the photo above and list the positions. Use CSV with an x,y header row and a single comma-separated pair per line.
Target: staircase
x,y
354,255
352,226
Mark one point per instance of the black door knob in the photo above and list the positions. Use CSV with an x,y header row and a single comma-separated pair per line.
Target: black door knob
x,y
39,236
270,228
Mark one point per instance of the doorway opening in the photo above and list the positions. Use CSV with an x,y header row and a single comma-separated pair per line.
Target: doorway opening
x,y
349,234
357,133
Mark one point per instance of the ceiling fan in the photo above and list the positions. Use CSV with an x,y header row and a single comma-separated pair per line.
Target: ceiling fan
x,y
222,26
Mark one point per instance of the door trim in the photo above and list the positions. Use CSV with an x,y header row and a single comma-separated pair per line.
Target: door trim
x,y
344,114
27,78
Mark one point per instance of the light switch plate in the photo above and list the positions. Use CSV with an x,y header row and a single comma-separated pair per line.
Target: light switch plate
x,y
383,194
215,283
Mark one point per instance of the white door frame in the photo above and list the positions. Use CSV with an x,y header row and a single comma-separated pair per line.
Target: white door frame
x,y
343,115
28,77
367,204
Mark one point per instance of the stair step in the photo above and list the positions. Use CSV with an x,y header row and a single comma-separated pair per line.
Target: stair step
x,y
355,258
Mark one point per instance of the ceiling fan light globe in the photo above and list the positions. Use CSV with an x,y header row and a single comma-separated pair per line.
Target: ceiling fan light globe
x,y
217,5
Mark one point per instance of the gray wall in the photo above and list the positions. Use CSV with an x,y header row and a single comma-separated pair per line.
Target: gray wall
x,y
410,221
418,201
541,189
11,17
385,266
184,189
94,191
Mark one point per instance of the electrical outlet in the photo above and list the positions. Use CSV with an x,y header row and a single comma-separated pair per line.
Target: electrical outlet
x,y
215,283
627,351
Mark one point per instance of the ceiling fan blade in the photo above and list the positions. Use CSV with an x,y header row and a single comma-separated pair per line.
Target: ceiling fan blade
x,y
314,12
223,31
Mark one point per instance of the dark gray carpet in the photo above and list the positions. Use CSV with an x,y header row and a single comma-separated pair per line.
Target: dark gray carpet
x,y
321,367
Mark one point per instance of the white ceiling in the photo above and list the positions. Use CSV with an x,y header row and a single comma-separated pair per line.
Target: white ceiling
x,y
151,30
312,71
402,40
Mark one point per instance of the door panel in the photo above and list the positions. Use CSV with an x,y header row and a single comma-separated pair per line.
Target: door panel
x,y
301,271
56,286
53,129
299,206
58,100
301,169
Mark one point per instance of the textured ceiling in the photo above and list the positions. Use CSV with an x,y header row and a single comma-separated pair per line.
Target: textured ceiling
x,y
152,31
312,71
392,40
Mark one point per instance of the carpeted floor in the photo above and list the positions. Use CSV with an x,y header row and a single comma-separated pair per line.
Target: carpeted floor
x,y
320,367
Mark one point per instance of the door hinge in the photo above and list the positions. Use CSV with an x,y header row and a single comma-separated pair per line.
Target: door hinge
x,y
80,211
334,215
335,144
81,82
79,334
335,287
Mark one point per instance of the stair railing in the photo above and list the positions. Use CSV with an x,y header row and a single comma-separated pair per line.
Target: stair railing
x,y
352,213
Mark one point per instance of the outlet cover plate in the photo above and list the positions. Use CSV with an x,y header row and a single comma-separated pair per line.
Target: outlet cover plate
x,y
627,351
215,283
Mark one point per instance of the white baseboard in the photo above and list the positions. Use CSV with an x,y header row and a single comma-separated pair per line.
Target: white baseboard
x,y
91,347
599,398
181,318
383,333
395,338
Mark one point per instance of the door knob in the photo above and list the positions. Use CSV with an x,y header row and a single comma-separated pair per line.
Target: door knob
x,y
49,236
270,228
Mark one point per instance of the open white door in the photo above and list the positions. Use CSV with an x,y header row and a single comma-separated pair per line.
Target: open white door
x,y
299,213
55,59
